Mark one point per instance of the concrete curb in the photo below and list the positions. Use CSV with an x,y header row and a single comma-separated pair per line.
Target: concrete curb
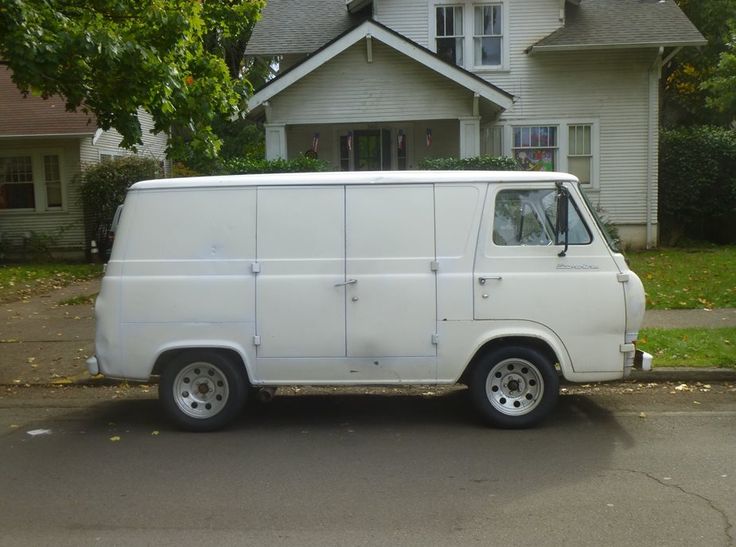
x,y
685,374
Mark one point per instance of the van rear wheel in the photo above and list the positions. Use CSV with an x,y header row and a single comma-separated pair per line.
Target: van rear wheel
x,y
514,387
202,390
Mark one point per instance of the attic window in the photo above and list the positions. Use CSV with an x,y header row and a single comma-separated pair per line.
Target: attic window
x,y
471,34
450,39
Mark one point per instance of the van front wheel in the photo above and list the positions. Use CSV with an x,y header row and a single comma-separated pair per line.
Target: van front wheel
x,y
514,387
202,390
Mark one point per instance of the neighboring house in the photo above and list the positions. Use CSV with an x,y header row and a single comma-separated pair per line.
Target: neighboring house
x,y
43,149
564,85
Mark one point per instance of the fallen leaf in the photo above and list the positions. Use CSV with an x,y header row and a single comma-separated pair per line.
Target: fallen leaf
x,y
115,438
642,415
155,433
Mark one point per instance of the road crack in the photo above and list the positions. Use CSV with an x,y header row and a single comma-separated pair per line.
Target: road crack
x,y
728,526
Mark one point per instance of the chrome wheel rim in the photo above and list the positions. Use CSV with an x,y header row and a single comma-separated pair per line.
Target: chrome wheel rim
x,y
514,387
200,390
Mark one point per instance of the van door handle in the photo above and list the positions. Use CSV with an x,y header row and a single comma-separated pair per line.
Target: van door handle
x,y
482,280
348,282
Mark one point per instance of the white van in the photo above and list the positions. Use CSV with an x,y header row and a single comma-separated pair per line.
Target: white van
x,y
503,281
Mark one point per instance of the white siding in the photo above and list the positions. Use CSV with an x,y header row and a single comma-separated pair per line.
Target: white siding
x,y
349,89
408,17
65,226
154,145
611,87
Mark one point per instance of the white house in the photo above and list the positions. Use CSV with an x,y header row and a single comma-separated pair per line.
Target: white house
x,y
43,149
569,85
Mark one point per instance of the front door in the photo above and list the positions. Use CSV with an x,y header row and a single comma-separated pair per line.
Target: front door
x,y
372,150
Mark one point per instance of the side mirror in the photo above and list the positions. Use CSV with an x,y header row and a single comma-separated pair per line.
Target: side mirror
x,y
561,226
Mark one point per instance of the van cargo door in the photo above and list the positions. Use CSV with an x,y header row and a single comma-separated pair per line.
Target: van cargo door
x,y
391,295
300,299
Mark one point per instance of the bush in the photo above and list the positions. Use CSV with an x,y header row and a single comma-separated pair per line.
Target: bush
x,y
477,163
103,188
697,184
249,166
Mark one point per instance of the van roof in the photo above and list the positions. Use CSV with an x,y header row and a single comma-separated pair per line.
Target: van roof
x,y
353,178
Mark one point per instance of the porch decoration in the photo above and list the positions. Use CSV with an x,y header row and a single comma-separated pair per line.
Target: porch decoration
x,y
401,140
315,143
350,141
429,137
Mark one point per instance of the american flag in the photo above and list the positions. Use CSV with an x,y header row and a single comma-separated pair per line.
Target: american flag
x,y
315,143
429,137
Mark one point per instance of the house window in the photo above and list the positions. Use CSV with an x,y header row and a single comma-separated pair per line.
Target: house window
x,y
52,175
471,34
487,35
16,183
579,152
449,33
535,147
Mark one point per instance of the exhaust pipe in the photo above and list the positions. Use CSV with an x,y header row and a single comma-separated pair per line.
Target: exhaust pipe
x,y
266,394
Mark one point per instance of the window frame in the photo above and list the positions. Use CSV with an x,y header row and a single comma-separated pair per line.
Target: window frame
x,y
468,7
38,167
539,216
563,146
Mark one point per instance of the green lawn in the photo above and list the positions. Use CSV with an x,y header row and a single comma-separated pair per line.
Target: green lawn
x,y
690,347
21,281
687,278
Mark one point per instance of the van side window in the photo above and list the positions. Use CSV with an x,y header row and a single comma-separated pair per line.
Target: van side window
x,y
528,217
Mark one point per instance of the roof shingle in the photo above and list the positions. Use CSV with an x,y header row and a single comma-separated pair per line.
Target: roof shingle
x,y
622,23
300,26
34,116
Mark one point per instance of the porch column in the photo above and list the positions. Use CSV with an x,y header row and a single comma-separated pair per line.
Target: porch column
x,y
470,137
275,141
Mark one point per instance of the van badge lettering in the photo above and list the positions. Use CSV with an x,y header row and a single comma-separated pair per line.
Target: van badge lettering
x,y
577,267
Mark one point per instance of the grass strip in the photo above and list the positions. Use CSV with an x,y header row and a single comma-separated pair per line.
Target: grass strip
x,y
690,347
25,280
687,278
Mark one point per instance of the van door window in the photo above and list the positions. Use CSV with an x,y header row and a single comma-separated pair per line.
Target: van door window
x,y
528,217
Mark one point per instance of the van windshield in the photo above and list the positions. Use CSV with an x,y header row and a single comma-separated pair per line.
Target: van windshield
x,y
612,241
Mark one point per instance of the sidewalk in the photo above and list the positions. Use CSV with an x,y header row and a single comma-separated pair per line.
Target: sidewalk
x,y
43,342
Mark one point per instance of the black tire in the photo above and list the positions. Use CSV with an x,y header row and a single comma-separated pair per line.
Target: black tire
x,y
203,390
514,387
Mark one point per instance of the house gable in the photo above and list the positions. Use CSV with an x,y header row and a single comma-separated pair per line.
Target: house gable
x,y
370,32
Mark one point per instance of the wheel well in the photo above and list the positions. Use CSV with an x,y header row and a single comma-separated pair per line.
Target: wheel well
x,y
492,345
166,357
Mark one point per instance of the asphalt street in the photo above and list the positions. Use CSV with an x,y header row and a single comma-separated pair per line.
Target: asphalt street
x,y
622,464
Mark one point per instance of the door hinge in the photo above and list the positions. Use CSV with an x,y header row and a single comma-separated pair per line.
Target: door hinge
x,y
622,277
256,340
435,339
434,265
255,267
